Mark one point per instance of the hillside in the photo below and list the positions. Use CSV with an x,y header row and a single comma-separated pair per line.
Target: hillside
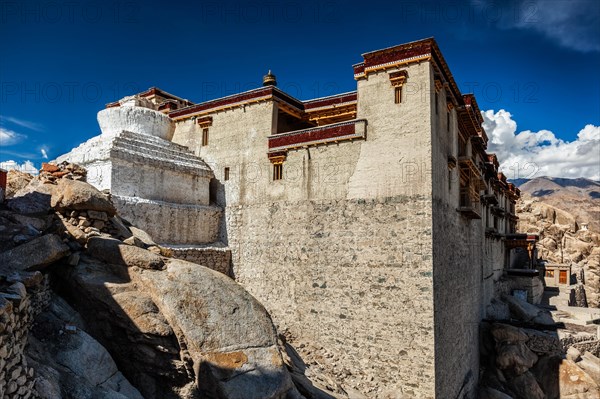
x,y
558,210
580,197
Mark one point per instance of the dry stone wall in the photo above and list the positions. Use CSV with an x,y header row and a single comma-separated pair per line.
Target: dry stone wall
x,y
22,297
215,258
358,283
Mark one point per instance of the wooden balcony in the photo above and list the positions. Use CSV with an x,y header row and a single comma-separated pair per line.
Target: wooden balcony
x,y
489,199
469,205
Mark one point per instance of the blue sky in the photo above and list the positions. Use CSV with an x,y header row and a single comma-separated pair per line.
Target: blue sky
x,y
61,62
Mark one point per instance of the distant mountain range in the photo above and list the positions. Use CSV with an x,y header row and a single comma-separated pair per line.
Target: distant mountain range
x,y
580,197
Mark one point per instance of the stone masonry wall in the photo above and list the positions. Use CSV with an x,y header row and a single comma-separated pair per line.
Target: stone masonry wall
x,y
171,223
339,250
214,258
18,307
457,267
358,283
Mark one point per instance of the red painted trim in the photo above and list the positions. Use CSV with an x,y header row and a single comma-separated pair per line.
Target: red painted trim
x,y
171,105
314,134
3,175
359,68
331,100
205,120
236,98
158,92
397,53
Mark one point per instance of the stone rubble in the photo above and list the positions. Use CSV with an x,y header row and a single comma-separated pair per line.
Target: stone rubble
x,y
524,359
50,173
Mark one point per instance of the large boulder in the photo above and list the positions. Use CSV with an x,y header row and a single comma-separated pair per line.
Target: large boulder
x,y
228,334
143,312
518,358
79,195
36,253
15,181
507,333
33,199
591,365
183,332
562,378
574,382
525,386
527,312
116,252
129,324
73,363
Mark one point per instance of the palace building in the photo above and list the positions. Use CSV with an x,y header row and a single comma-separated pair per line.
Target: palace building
x,y
371,223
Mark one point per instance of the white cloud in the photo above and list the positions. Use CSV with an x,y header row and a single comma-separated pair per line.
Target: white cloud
x,y
530,154
10,137
570,23
44,153
26,166
573,24
23,123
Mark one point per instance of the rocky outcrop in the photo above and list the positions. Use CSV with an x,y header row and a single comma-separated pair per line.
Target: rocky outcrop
x,y
524,363
16,180
191,327
33,199
78,195
172,328
69,362
562,240
114,251
36,253
233,356
527,312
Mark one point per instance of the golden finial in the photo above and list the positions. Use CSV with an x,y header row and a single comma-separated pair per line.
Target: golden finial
x,y
269,79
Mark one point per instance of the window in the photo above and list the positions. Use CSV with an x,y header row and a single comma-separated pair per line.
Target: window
x,y
398,94
549,273
562,277
436,103
226,174
277,171
205,136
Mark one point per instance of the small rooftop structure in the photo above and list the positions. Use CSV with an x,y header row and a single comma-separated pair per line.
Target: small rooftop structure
x,y
557,274
269,79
